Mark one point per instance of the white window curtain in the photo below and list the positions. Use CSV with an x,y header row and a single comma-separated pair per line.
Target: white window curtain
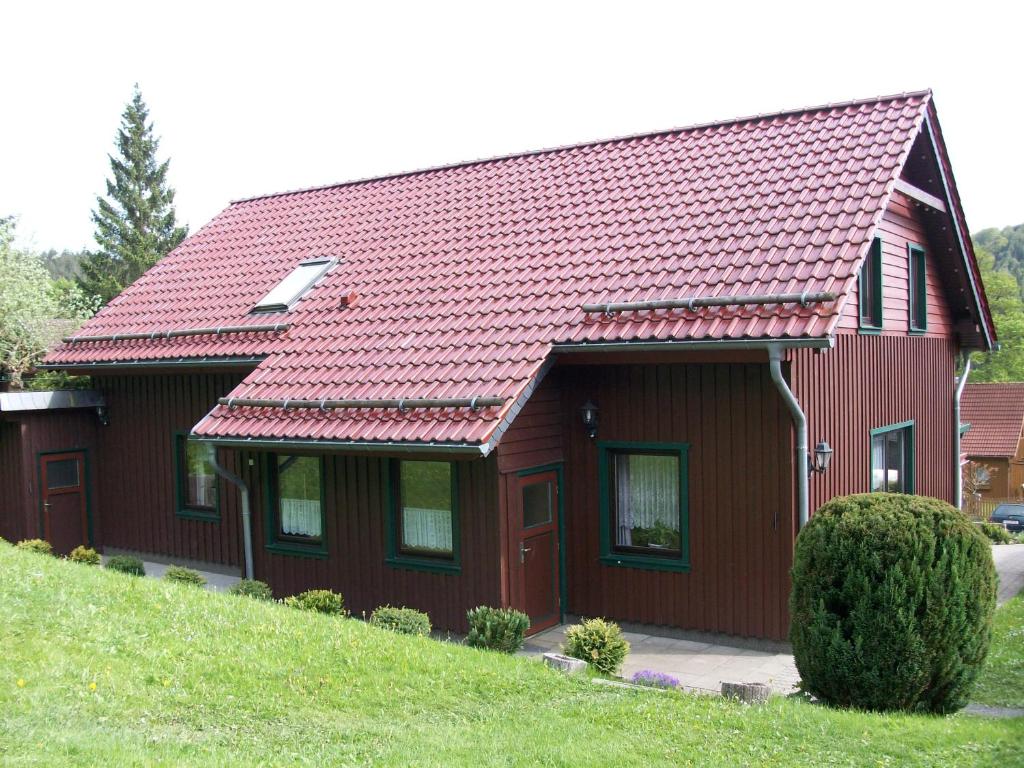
x,y
202,490
429,530
300,517
878,463
647,493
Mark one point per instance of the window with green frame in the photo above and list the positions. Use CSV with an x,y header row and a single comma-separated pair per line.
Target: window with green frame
x,y
892,458
918,299
869,288
423,528
296,508
643,498
195,481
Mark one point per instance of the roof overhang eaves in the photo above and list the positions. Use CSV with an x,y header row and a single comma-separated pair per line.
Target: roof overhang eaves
x,y
817,342
469,450
179,362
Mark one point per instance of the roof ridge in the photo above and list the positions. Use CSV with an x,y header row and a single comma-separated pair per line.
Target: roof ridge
x,y
926,94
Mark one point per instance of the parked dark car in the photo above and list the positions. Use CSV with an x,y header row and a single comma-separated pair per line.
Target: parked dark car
x,y
1009,515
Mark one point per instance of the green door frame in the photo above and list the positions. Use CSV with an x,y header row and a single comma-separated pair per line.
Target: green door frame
x,y
559,469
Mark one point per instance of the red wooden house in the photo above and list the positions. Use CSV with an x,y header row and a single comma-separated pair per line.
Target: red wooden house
x,y
577,380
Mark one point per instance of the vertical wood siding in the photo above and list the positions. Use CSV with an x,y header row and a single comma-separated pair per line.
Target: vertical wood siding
x,y
874,381
903,223
740,495
134,467
357,512
21,441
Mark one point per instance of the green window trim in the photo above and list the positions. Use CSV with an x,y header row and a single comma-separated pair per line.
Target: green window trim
x,y
873,264
394,557
606,450
181,509
273,541
917,294
910,448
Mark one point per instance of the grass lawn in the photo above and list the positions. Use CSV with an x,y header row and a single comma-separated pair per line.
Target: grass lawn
x,y
1002,682
101,668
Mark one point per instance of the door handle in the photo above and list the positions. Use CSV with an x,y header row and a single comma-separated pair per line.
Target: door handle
x,y
522,553
46,504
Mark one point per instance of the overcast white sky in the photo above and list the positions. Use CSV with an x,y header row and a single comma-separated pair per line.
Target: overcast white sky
x,y
257,97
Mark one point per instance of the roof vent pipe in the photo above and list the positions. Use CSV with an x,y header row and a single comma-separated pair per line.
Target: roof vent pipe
x,y
958,488
243,489
800,425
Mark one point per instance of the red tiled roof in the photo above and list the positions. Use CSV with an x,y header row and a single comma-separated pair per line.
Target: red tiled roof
x,y
467,274
996,415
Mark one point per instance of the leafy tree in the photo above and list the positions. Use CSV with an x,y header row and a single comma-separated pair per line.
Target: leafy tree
x,y
135,222
1004,299
33,314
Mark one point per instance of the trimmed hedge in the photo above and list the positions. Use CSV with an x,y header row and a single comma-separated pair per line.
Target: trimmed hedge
x,y
599,643
498,629
995,533
39,546
319,601
85,555
892,603
404,621
182,575
257,590
126,564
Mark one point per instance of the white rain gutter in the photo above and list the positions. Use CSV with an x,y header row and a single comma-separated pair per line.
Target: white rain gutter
x,y
958,490
243,489
775,352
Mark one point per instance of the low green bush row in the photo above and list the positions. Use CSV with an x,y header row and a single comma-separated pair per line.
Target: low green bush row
x,y
84,555
497,629
319,601
39,546
257,590
404,621
181,575
126,564
599,643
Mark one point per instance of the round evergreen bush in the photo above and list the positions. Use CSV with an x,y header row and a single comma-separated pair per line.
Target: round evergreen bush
x,y
258,590
319,601
85,555
599,643
39,546
126,564
892,603
405,621
183,575
498,629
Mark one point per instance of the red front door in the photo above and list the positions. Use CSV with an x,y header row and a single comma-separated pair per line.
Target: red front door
x,y
62,480
535,549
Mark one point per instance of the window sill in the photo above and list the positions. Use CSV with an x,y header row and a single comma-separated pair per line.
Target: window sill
x,y
205,516
318,551
917,331
645,563
424,564
869,330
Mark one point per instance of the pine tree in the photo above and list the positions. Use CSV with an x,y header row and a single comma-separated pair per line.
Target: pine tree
x,y
135,222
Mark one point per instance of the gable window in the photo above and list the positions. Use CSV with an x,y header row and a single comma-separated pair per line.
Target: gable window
x,y
644,505
296,509
195,480
294,286
918,289
892,458
870,288
423,530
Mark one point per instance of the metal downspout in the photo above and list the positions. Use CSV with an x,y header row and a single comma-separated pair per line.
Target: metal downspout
x,y
800,424
958,489
243,489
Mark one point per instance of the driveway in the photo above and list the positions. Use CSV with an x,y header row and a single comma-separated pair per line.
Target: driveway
x,y
1009,559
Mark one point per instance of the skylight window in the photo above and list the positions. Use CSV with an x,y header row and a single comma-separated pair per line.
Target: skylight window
x,y
284,295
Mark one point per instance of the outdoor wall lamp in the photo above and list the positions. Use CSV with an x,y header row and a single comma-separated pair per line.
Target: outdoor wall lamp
x,y
103,415
588,412
821,459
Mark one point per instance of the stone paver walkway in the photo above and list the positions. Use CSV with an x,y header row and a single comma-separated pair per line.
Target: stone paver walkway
x,y
700,666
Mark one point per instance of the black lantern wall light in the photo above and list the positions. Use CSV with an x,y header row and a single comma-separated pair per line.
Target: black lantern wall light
x,y
821,459
588,413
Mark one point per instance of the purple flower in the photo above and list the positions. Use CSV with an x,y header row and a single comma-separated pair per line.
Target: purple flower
x,y
654,679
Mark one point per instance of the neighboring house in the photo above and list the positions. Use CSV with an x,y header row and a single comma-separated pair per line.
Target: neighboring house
x,y
448,388
994,442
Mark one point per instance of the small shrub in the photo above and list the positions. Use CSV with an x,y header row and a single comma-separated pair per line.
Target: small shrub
x,y
499,629
126,564
84,555
654,679
318,600
996,533
257,590
39,546
599,643
892,603
182,575
405,621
